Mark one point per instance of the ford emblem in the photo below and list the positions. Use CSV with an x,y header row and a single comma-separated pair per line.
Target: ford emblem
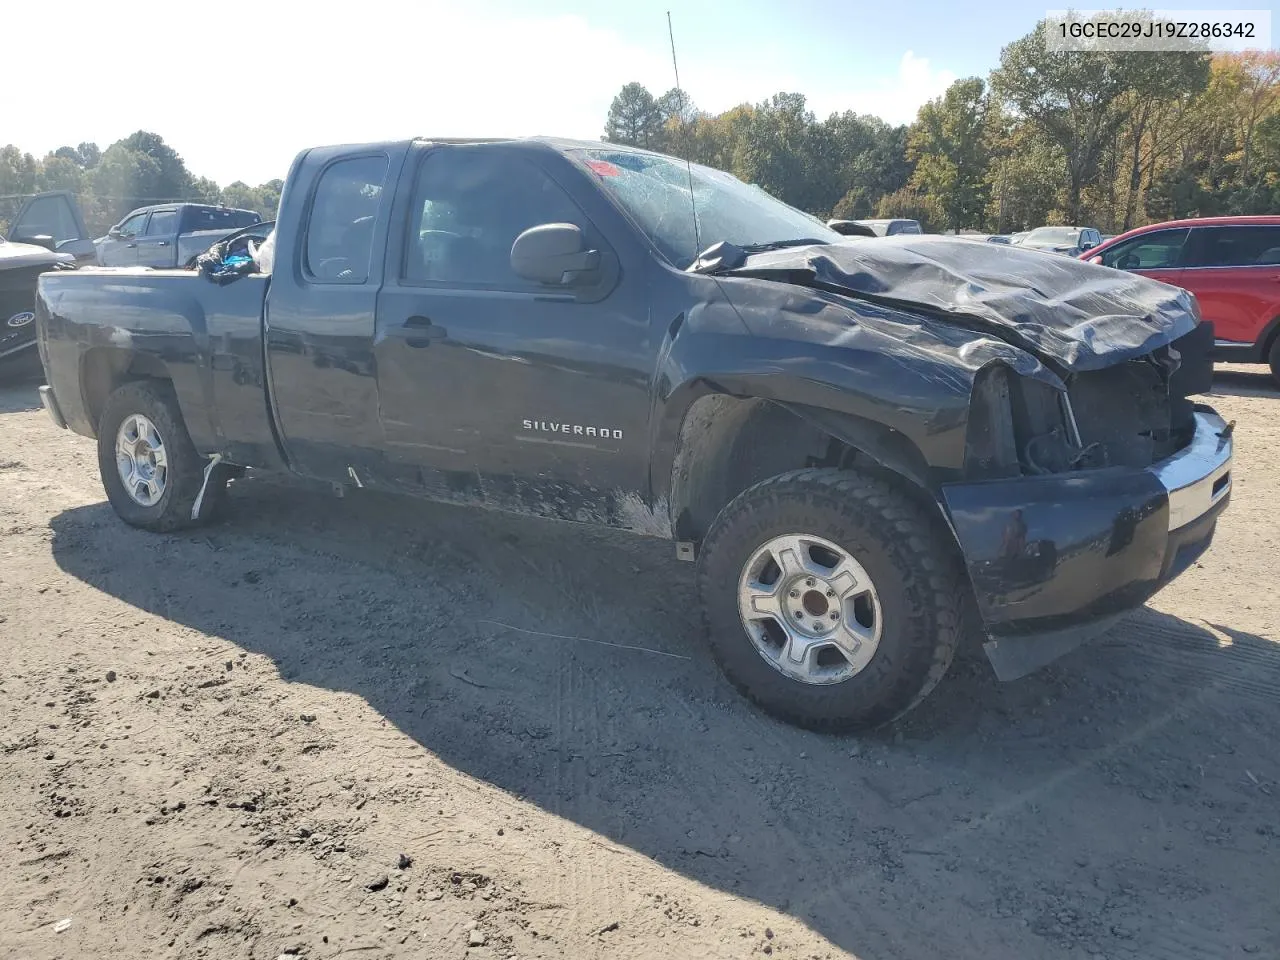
x,y
21,319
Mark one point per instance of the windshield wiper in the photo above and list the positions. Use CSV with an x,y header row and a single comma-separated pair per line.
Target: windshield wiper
x,y
782,244
724,255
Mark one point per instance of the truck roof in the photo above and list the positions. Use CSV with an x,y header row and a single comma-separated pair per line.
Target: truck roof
x,y
177,204
561,144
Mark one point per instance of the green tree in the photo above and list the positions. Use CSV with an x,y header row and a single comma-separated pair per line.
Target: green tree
x,y
60,172
950,144
18,172
171,181
1073,98
908,204
634,117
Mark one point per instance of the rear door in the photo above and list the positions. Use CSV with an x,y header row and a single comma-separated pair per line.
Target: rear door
x,y
55,215
157,246
120,249
1234,271
1158,254
320,310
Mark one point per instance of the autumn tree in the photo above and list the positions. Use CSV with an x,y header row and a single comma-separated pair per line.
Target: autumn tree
x,y
950,145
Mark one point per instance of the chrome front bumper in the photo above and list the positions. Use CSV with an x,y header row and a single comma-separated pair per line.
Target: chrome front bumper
x,y
1198,476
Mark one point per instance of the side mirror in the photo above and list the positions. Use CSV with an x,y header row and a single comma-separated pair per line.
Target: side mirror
x,y
1086,245
115,234
554,254
38,239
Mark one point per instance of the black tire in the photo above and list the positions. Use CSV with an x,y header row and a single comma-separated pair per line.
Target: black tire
x,y
904,549
1273,358
155,400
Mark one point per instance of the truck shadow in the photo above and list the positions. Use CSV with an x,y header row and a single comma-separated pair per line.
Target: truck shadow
x,y
1046,811
1244,382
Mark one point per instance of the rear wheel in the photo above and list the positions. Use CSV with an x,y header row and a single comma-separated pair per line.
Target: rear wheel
x,y
1273,358
833,600
150,469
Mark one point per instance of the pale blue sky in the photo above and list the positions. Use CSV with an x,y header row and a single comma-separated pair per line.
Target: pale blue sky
x,y
238,89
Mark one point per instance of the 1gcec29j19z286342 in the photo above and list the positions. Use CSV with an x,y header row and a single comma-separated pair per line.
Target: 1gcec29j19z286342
x,y
869,446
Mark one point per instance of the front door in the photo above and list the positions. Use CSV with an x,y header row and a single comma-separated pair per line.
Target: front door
x,y
121,250
492,386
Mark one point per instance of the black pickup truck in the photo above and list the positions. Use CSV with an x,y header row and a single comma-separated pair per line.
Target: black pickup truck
x,y
869,446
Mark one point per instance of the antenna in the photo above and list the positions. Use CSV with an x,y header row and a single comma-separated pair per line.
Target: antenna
x,y
693,206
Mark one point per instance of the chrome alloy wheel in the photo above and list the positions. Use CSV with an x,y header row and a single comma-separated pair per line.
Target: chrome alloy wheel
x,y
141,460
810,609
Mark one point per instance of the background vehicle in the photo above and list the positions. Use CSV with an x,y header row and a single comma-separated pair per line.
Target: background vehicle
x,y
851,228
1068,241
169,235
20,265
52,220
542,326
891,228
1231,264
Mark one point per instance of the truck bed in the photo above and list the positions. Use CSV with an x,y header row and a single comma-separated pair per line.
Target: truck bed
x,y
205,337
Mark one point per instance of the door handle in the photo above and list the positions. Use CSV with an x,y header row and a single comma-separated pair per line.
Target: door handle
x,y
130,245
162,243
423,331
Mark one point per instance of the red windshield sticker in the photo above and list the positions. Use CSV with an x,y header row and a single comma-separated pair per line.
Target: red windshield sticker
x,y
603,168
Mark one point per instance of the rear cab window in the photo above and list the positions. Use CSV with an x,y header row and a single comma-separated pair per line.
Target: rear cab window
x,y
195,219
344,211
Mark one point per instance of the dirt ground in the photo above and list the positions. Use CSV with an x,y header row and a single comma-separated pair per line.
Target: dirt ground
x,y
317,729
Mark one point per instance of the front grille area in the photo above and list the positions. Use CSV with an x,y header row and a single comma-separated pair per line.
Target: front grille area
x,y
1139,412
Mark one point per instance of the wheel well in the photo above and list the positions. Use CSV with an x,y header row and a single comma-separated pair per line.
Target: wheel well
x,y
104,369
1269,337
728,444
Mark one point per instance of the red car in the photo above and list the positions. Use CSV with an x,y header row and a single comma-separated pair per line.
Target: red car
x,y
1231,264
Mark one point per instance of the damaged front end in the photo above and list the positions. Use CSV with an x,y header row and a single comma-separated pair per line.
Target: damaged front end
x,y
1090,477
1079,504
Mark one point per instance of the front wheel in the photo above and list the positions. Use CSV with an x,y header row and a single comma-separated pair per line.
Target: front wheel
x,y
150,469
832,600
1273,359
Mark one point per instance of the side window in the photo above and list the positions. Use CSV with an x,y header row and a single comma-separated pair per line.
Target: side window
x,y
162,223
50,217
344,212
133,225
1151,251
1240,247
470,204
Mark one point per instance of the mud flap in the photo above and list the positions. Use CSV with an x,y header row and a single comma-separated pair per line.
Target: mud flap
x,y
208,472
1014,657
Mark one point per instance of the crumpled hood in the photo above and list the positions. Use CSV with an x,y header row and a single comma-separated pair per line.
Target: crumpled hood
x,y
14,255
1071,314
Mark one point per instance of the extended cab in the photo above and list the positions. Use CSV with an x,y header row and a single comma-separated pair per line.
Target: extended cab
x,y
169,235
868,445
